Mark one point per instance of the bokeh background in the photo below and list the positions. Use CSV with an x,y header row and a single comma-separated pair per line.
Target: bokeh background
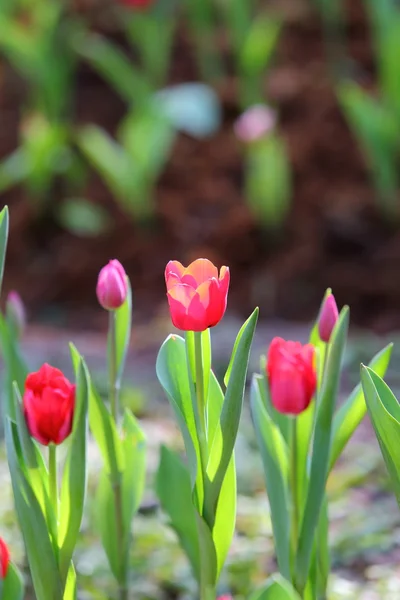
x,y
128,130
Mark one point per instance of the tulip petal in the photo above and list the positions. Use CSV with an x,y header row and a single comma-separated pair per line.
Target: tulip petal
x,y
201,270
224,279
196,318
212,301
179,298
172,279
174,266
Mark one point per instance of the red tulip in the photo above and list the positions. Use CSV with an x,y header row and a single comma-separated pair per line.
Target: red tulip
x,y
327,318
4,559
197,294
49,401
112,285
291,375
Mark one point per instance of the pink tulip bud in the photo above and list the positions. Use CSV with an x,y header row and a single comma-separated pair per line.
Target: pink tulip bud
x,y
112,285
327,318
15,311
255,123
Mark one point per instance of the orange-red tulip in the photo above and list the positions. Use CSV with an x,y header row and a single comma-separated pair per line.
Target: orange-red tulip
x,y
197,294
4,559
49,402
291,375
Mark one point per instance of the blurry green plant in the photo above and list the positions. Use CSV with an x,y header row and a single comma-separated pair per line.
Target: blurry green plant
x,y
253,38
267,173
375,117
35,40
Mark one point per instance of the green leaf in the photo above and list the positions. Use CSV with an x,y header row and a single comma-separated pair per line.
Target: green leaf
x,y
225,434
175,494
15,367
70,592
114,66
134,474
102,424
107,526
259,45
384,411
13,586
73,487
83,218
268,181
276,588
3,240
41,558
353,410
322,550
172,373
225,515
321,447
274,454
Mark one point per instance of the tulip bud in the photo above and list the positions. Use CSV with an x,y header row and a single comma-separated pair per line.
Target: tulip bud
x,y
255,123
112,286
327,319
15,311
291,375
49,402
4,559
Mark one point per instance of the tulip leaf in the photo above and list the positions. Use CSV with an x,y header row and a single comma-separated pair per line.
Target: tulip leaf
x,y
208,557
102,424
172,373
321,447
40,554
73,487
225,434
107,525
276,588
15,367
70,592
175,494
384,411
134,474
225,514
4,222
353,410
123,323
13,587
274,454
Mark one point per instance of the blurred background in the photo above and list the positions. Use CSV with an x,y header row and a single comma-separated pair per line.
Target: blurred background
x,y
128,130
262,134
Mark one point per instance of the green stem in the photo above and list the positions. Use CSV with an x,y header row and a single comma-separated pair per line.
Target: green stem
x,y
114,386
201,403
123,590
53,479
294,485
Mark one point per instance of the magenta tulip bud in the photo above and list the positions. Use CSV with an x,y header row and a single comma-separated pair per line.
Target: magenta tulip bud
x,y
112,286
327,318
15,311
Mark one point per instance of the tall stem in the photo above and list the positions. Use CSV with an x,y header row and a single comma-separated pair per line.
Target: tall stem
x,y
53,479
112,367
113,397
294,483
201,401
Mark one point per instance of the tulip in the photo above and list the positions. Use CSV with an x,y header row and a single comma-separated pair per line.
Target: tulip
x,y
49,401
4,559
197,294
327,319
16,311
112,286
291,375
255,123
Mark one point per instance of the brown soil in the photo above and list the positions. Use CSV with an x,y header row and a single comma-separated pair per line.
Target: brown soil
x,y
334,235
